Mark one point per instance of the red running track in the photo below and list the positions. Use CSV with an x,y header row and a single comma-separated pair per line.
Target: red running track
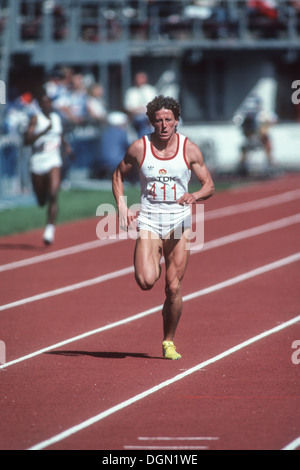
x,y
82,344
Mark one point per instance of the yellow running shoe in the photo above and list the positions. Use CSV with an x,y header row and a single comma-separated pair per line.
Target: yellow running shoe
x,y
169,350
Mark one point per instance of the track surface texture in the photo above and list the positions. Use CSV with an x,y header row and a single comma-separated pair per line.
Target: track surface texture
x,y
81,344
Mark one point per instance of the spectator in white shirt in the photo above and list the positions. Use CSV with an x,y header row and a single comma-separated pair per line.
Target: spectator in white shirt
x,y
135,101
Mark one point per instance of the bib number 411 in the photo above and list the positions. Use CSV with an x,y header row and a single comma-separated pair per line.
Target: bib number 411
x,y
159,193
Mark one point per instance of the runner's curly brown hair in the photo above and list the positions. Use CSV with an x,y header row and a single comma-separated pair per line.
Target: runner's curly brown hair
x,y
160,102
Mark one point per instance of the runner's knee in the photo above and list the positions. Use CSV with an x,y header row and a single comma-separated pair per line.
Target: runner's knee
x,y
145,281
172,288
41,199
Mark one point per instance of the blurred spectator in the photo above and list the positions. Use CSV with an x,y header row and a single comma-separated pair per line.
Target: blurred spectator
x,y
135,101
267,18
18,114
224,21
95,103
89,22
267,8
67,73
55,86
60,23
31,21
73,104
296,5
3,22
166,18
255,124
168,84
199,9
114,143
90,34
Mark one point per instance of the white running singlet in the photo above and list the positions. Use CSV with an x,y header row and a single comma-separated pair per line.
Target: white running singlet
x,y
163,182
46,150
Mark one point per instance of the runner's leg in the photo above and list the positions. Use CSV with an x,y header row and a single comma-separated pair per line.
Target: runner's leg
x,y
40,188
54,186
147,256
176,253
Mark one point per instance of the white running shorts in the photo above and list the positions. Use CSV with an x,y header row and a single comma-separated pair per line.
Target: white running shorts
x,y
164,223
40,164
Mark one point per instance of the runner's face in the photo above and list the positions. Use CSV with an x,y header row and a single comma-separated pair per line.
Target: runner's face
x,y
164,123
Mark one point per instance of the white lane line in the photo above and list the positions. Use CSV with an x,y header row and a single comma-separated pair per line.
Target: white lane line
x,y
250,232
99,417
277,224
64,252
165,447
166,438
66,289
293,445
208,290
209,215
253,205
54,255
173,440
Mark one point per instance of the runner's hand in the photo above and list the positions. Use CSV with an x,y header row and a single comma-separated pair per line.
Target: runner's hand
x,y
187,199
126,217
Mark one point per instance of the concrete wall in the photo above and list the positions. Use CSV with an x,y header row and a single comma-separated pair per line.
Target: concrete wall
x,y
227,140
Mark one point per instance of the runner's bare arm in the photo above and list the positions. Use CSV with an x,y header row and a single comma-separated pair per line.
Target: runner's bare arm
x,y
196,162
132,159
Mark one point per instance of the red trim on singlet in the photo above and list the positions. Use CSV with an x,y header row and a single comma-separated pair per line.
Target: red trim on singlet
x,y
169,158
144,156
184,153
